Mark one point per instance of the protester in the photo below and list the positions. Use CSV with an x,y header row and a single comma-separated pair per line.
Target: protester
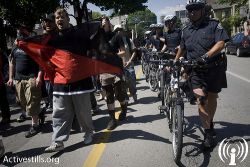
x,y
49,27
24,73
4,104
113,84
70,99
128,57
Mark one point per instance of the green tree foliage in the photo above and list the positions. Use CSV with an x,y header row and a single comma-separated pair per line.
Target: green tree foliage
x,y
142,20
96,15
238,2
119,7
28,12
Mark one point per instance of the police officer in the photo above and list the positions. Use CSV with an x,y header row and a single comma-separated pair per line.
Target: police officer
x,y
172,36
157,37
203,39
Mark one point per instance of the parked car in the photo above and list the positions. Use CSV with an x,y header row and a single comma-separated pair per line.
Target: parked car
x,y
239,45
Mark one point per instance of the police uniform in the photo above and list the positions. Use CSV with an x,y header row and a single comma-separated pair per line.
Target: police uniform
x,y
198,40
172,39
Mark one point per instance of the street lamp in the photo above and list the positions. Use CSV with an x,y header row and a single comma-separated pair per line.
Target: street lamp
x,y
136,24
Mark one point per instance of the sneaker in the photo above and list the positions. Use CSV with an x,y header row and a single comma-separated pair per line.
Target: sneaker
x,y
5,121
21,118
32,131
88,138
54,147
208,141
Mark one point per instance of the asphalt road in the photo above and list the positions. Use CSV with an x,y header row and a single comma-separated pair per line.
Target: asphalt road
x,y
144,139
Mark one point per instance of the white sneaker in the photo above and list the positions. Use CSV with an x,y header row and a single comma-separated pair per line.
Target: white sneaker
x,y
54,147
88,138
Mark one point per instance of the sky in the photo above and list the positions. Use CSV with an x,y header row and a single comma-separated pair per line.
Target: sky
x,y
159,7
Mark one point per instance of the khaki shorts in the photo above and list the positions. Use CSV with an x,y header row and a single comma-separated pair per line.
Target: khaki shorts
x,y
29,96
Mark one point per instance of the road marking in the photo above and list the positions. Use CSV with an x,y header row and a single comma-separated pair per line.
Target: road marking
x,y
98,149
238,76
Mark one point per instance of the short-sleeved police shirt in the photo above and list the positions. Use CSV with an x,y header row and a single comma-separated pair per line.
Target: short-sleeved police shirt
x,y
198,40
172,39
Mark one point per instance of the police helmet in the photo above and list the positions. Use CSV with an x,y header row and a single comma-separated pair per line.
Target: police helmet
x,y
195,4
169,18
147,32
152,26
159,25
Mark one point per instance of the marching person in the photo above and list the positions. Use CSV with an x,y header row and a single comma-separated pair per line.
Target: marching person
x,y
71,98
112,84
28,80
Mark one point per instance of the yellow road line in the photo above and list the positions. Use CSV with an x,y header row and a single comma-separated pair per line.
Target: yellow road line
x,y
98,149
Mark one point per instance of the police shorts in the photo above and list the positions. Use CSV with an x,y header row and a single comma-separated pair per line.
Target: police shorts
x,y
210,80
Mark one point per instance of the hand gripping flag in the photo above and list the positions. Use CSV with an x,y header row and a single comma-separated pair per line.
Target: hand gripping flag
x,y
64,66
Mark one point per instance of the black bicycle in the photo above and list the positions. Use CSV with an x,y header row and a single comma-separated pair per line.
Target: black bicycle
x,y
172,101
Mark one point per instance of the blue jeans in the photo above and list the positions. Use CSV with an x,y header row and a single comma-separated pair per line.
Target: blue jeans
x,y
130,79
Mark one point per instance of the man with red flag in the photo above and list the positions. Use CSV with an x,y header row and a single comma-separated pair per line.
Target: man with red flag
x,y
64,58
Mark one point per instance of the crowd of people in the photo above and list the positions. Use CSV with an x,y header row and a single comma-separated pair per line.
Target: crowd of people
x,y
202,39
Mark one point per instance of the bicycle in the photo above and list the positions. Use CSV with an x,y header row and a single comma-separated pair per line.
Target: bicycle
x,y
173,103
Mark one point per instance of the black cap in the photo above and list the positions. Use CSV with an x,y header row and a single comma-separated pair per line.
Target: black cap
x,y
49,17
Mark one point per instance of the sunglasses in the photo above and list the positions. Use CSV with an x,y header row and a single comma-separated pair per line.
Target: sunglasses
x,y
193,8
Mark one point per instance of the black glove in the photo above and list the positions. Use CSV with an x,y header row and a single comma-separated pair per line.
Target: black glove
x,y
203,59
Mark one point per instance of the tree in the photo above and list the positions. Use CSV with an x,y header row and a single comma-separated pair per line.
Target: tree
x,y
96,15
238,2
141,20
28,12
119,7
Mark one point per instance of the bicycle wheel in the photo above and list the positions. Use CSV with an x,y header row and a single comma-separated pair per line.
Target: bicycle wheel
x,y
177,138
153,84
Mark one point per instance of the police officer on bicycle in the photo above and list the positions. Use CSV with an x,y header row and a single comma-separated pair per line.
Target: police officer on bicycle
x,y
172,35
202,40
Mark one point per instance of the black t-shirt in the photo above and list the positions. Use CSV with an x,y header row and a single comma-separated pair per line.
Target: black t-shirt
x,y
25,67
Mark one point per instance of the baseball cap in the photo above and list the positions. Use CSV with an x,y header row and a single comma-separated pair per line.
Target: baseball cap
x,y
49,17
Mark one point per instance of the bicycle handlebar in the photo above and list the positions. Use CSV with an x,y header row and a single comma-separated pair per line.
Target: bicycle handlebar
x,y
177,63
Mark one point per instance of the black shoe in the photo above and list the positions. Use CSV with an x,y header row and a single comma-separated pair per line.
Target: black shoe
x,y
208,142
5,121
21,118
32,131
112,124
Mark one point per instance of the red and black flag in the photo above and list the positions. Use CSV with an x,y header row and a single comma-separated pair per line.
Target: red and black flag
x,y
67,62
